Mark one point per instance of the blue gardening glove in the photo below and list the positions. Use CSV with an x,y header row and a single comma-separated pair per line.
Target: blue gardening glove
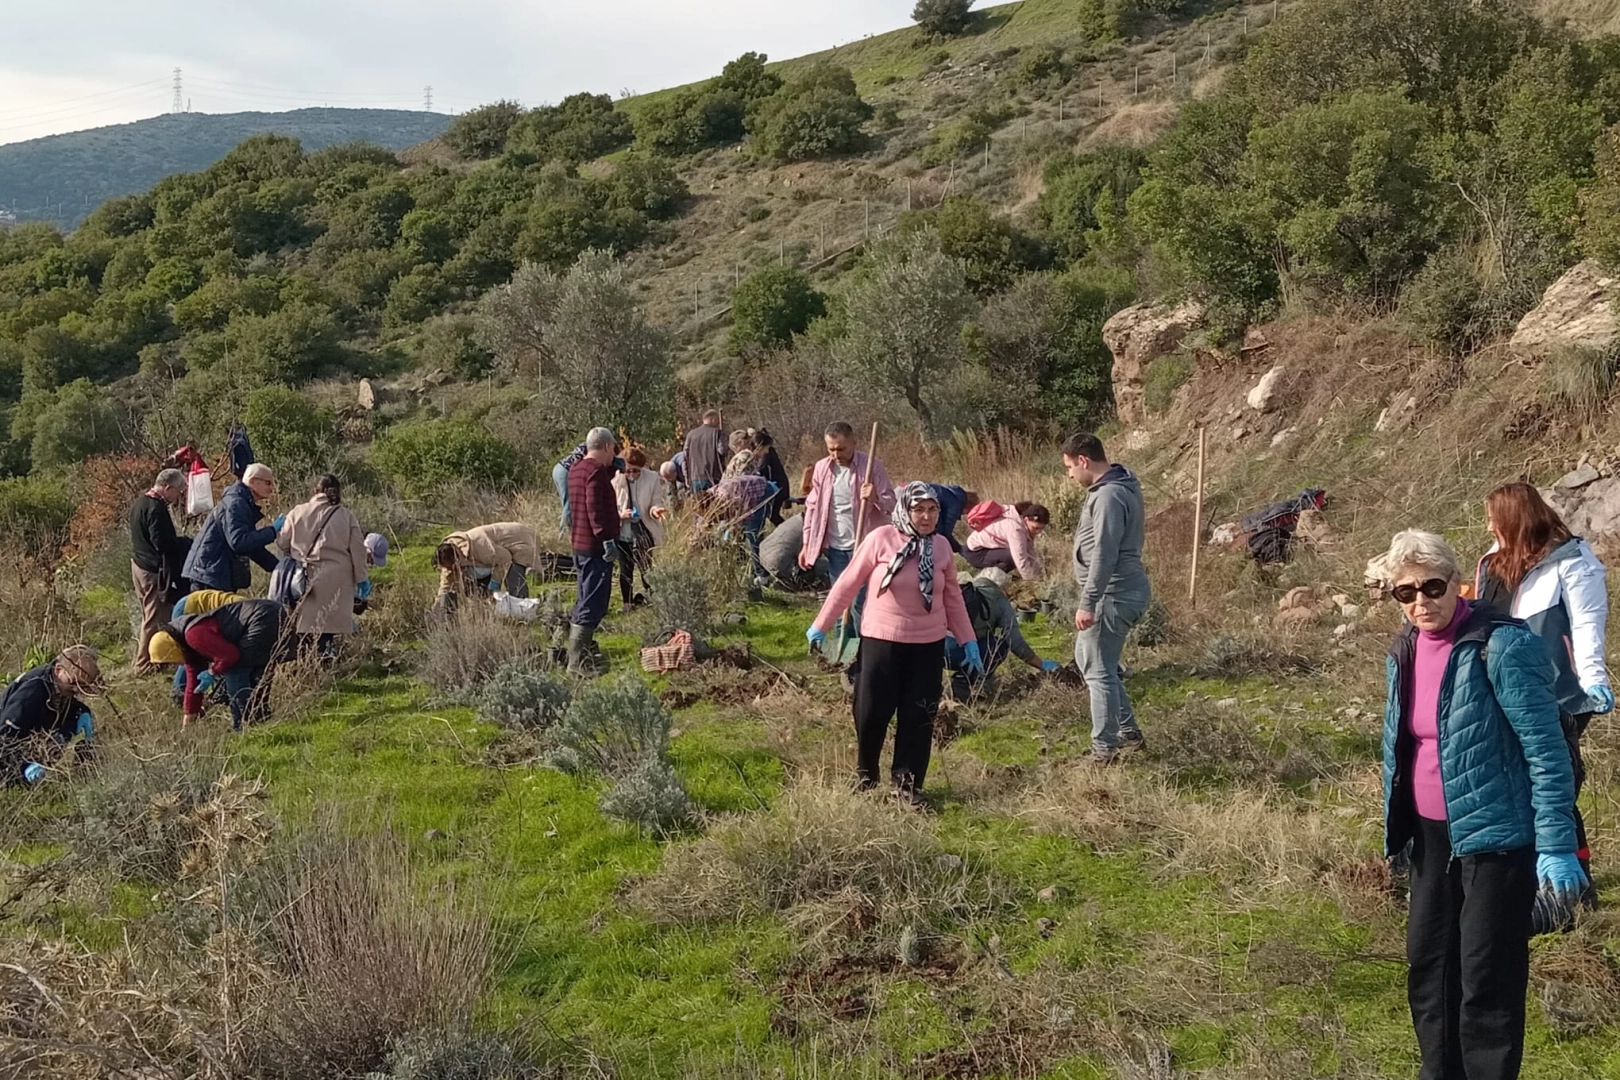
x,y
279,522
33,772
635,513
1600,701
362,591
205,682
610,551
86,726
1050,667
1562,874
816,638
494,586
971,658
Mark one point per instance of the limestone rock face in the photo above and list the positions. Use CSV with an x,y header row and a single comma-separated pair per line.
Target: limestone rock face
x,y
1591,510
1139,335
1580,309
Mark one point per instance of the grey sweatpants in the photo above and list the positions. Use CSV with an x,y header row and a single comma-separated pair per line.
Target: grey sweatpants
x,y
1096,654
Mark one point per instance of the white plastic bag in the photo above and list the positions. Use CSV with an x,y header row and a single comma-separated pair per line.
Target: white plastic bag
x,y
510,607
199,493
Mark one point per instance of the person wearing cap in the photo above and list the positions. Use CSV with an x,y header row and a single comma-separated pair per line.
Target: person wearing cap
x,y
325,536
231,536
200,602
42,708
156,556
376,555
235,644
995,625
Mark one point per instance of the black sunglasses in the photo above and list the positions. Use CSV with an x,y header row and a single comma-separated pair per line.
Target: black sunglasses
x,y
1434,589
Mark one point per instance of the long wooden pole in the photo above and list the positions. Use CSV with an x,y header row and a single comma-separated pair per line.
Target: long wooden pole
x,y
860,526
1198,522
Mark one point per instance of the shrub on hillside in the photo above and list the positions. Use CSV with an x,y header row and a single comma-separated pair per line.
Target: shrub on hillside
x,y
450,342
993,253
482,133
1162,379
292,434
816,114
964,136
522,696
1600,204
458,656
34,515
773,305
1580,379
616,727
690,120
650,797
580,128
423,456
943,18
1039,65
749,78
69,424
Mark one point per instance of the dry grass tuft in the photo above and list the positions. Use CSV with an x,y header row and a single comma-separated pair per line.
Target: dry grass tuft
x,y
1577,981
457,656
834,863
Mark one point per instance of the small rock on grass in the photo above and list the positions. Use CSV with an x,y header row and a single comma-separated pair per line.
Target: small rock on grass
x,y
1048,894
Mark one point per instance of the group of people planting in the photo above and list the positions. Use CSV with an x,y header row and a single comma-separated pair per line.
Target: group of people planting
x,y
1491,682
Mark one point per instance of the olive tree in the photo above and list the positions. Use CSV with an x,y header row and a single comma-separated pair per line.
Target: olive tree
x,y
944,18
903,318
582,341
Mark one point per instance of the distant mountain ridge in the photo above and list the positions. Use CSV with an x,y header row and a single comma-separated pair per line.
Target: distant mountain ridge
x,y
61,178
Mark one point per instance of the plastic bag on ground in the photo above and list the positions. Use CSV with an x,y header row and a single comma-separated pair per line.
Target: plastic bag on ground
x,y
508,606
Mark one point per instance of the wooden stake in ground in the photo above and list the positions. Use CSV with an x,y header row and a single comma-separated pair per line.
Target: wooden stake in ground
x,y
860,525
1198,523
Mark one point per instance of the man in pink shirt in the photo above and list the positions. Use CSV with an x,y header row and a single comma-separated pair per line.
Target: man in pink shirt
x,y
832,507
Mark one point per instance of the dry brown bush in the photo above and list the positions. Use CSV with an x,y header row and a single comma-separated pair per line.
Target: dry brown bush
x,y
833,863
458,655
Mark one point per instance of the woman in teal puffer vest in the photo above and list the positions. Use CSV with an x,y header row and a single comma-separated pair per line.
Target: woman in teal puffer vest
x,y
1478,782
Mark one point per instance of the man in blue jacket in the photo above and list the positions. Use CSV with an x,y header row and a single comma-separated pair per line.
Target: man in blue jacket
x,y
231,536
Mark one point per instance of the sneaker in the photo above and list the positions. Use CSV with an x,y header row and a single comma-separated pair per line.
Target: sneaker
x,y
1132,742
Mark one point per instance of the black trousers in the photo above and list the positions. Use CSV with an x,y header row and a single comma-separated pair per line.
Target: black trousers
x,y
632,557
1574,728
986,558
902,681
1468,944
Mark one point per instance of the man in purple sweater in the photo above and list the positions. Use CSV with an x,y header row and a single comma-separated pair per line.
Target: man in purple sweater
x,y
595,533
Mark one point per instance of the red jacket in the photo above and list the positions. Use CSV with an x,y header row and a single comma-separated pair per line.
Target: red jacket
x,y
594,507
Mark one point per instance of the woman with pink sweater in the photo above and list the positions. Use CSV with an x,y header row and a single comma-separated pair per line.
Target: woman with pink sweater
x,y
1008,543
902,652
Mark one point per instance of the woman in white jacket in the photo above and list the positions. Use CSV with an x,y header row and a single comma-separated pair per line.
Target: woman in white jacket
x,y
641,509
1539,572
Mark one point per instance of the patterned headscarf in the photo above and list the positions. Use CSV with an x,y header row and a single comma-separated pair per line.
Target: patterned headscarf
x,y
920,546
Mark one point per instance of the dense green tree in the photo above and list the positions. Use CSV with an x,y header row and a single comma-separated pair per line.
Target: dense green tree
x,y
991,250
426,456
582,127
691,120
482,133
748,78
1600,204
292,434
943,18
68,424
773,305
1084,194
817,113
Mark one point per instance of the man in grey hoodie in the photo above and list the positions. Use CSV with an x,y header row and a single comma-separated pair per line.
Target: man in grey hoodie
x,y
1114,589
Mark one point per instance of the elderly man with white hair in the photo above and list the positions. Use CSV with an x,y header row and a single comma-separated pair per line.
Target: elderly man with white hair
x,y
594,536
231,536
1478,783
156,555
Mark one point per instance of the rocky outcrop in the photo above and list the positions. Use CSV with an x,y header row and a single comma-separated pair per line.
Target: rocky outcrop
x,y
1580,309
1588,501
1261,397
1139,335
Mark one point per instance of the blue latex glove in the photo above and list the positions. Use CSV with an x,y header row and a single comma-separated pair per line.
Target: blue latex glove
x,y
1050,667
635,513
362,591
1562,874
86,726
971,659
494,586
610,551
205,682
1600,701
279,522
33,772
816,638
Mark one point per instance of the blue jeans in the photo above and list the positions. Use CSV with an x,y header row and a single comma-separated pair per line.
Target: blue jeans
x,y
1096,654
239,684
559,477
837,563
595,590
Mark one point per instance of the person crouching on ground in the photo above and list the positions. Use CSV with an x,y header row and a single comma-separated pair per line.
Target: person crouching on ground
x,y
912,606
1539,572
995,627
42,709
235,643
595,534
1477,780
483,560
1008,543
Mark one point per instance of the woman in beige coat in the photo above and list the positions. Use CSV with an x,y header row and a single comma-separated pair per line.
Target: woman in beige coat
x,y
641,507
502,554
326,537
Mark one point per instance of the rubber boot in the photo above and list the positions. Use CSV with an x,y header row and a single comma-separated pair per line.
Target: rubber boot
x,y
582,655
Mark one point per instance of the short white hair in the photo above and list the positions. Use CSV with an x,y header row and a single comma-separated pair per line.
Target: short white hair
x,y
668,470
258,471
1425,550
170,478
601,438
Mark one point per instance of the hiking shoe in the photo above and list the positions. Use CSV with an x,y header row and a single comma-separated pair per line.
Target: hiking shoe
x,y
1104,758
1131,743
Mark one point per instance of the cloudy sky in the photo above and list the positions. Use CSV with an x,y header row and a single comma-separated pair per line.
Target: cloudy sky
x,y
75,64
